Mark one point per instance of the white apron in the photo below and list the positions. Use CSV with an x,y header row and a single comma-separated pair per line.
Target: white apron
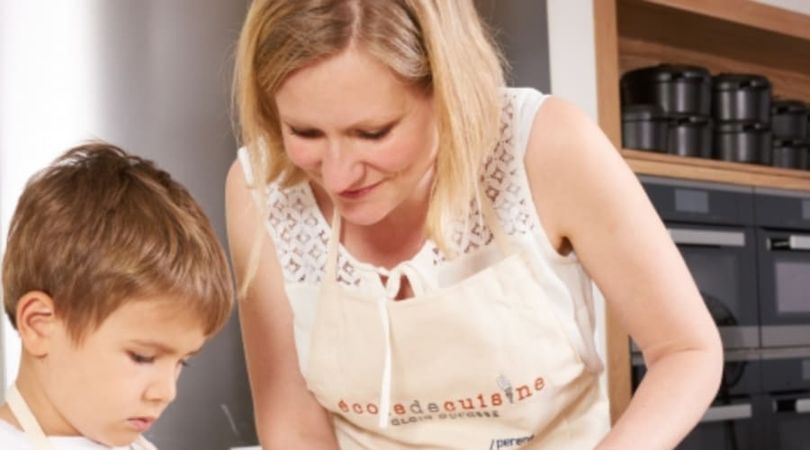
x,y
31,427
481,364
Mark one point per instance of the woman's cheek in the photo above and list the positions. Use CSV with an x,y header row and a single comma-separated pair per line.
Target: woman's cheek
x,y
403,153
303,154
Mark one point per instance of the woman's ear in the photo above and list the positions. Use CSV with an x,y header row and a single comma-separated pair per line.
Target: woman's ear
x,y
36,322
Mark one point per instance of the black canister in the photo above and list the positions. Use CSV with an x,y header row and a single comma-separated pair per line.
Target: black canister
x,y
677,89
644,127
741,97
792,154
748,142
690,136
789,120
807,136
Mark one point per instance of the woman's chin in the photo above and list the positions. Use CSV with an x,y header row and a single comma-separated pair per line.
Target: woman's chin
x,y
362,215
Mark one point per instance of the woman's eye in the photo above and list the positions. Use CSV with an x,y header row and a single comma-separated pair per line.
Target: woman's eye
x,y
306,133
374,135
141,359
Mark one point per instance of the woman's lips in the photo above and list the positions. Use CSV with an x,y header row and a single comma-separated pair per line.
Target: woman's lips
x,y
355,194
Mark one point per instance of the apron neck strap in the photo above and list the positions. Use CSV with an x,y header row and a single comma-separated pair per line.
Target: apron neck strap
x,y
26,418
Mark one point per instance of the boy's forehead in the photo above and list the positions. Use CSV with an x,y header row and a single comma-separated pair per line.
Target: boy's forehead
x,y
159,321
156,307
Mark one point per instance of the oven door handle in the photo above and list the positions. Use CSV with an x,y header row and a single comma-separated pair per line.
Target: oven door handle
x,y
803,405
792,242
798,406
728,412
688,236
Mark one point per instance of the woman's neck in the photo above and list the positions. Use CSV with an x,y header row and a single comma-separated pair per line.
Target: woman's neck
x,y
397,237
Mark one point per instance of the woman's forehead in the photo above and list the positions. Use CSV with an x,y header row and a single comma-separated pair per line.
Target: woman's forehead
x,y
348,87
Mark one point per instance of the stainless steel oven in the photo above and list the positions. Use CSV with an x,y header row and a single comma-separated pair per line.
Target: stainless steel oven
x,y
786,381
737,418
713,227
783,234
734,426
749,253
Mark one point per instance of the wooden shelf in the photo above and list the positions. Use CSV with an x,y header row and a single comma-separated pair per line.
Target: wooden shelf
x,y
742,12
661,164
739,36
649,34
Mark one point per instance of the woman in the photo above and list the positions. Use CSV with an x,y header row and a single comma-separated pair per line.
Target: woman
x,y
416,244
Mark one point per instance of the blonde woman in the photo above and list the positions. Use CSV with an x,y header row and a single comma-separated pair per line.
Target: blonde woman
x,y
415,244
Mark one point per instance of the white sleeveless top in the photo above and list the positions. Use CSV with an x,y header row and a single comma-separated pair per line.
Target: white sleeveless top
x,y
300,235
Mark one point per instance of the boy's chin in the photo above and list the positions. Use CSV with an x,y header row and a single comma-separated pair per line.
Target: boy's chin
x,y
119,440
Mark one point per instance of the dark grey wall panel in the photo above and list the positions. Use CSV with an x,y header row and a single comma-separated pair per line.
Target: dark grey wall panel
x,y
521,30
164,91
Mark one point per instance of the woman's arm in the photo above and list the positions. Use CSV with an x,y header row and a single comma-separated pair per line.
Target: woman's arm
x,y
287,414
588,199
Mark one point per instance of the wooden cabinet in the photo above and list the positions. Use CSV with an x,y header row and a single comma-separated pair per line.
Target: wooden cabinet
x,y
723,36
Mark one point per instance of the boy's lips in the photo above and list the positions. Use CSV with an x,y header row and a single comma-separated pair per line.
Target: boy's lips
x,y
141,424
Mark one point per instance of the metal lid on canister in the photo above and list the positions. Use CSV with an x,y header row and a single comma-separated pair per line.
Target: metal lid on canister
x,y
642,112
667,72
690,120
741,127
788,106
739,81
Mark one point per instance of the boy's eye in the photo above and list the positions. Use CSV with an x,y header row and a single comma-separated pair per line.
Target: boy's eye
x,y
141,359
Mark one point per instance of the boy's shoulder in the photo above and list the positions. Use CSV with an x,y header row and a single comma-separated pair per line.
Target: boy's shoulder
x,y
12,438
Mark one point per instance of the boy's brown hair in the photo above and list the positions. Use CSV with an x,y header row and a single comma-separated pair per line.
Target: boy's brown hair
x,y
98,228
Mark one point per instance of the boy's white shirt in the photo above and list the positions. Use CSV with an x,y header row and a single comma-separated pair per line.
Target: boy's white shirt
x,y
32,437
12,438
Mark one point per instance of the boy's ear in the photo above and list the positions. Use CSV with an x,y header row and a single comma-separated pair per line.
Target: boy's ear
x,y
36,322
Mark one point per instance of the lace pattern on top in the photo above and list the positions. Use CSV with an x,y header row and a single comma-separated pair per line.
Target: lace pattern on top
x,y
301,233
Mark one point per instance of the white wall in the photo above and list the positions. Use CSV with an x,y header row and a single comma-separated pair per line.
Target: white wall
x,y
46,87
572,52
520,28
152,76
572,59
799,6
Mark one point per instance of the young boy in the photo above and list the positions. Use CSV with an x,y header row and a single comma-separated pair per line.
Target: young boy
x,y
113,278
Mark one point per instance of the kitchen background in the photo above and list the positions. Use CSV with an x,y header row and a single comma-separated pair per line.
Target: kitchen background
x,y
727,170
153,76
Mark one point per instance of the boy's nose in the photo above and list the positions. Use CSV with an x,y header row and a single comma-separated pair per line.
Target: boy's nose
x,y
163,387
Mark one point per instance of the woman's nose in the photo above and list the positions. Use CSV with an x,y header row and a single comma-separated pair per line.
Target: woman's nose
x,y
341,168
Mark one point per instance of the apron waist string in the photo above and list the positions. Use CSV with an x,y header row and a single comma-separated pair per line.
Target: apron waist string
x,y
392,287
385,383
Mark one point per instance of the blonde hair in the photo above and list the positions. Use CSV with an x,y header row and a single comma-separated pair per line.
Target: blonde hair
x,y
439,46
99,228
